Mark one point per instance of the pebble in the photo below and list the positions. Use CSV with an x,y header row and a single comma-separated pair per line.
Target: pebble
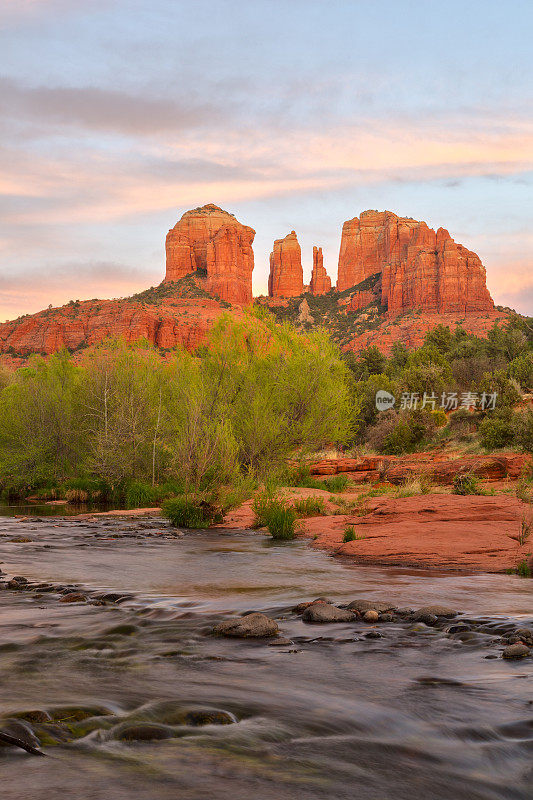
x,y
371,615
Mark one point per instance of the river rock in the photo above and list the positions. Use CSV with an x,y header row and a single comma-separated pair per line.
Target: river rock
x,y
73,597
325,612
370,605
425,617
209,716
254,625
371,615
437,611
141,732
516,651
525,635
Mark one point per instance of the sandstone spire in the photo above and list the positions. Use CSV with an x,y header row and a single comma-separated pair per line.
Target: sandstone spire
x,y
320,280
286,273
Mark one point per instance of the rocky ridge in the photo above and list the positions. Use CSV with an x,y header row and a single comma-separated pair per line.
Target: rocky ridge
x,y
397,279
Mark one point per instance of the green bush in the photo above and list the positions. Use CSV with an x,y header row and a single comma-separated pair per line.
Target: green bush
x,y
140,495
274,514
350,535
523,569
466,484
524,431
497,430
281,523
190,512
302,478
309,507
337,483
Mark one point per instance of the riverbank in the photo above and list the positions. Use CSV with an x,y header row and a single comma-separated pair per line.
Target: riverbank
x,y
437,531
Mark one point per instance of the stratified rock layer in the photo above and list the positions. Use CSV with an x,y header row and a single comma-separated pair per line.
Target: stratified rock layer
x,y
215,242
320,280
420,267
286,273
230,261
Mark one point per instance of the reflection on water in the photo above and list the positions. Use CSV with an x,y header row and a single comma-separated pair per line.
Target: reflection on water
x,y
51,509
333,715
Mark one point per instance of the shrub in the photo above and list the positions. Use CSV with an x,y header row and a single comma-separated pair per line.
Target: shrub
x,y
414,486
302,478
281,522
466,484
523,491
140,495
524,431
274,514
309,507
337,483
497,430
351,536
190,512
76,496
523,569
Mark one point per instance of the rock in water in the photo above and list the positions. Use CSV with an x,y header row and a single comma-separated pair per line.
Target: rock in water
x,y
371,605
324,612
516,651
437,611
254,625
286,274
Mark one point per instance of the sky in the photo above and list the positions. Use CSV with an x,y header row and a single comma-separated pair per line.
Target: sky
x,y
116,117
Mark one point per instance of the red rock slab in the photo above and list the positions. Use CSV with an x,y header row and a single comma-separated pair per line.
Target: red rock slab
x,y
431,531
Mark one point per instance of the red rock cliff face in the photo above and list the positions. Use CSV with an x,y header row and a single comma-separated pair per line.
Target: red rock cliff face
x,y
420,268
213,240
320,280
176,321
230,261
286,273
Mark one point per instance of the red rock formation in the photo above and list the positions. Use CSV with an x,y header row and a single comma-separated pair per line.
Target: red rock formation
x,y
442,531
172,322
286,273
320,280
420,268
213,240
360,300
230,261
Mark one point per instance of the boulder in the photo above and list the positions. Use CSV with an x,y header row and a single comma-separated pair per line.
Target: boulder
x,y
254,625
362,606
321,612
516,651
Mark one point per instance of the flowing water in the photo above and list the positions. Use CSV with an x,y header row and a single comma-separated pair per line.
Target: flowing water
x,y
330,714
